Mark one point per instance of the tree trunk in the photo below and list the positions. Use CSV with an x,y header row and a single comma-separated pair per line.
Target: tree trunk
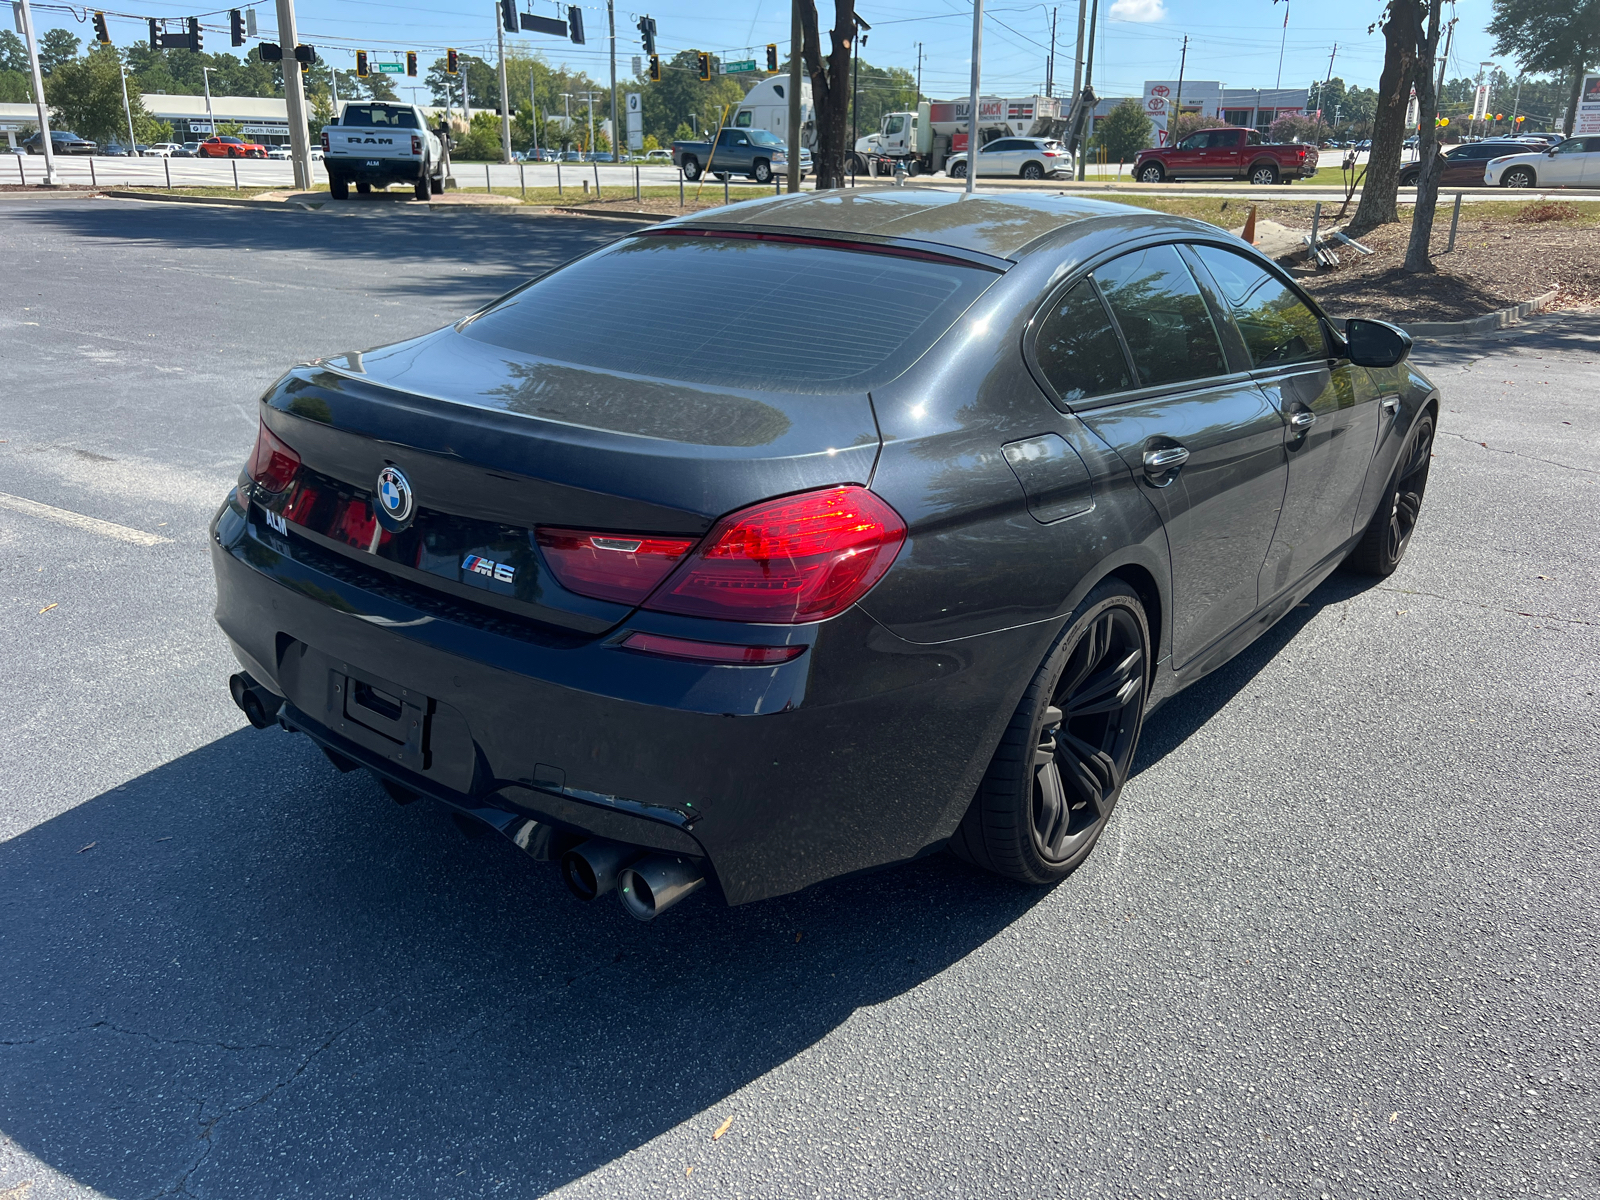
x,y
1417,258
1572,97
1382,180
830,87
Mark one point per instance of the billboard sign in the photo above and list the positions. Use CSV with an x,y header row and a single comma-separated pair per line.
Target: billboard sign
x,y
1588,107
1157,103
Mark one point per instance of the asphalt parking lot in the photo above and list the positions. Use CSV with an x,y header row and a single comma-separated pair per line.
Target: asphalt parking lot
x,y
1339,941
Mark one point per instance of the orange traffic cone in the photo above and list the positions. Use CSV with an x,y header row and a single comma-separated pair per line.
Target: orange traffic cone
x,y
1249,233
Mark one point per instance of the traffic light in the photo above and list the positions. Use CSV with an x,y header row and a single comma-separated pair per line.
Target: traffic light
x,y
411,62
100,34
703,61
647,33
270,52
508,15
655,68
194,34
452,62
361,64
575,24
305,55
236,26
772,56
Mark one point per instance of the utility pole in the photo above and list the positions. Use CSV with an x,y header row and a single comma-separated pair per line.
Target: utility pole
x,y
1077,52
533,105
1177,105
1049,65
466,92
919,72
127,112
616,134
1322,96
796,45
205,79
1444,60
1282,42
294,95
1088,85
51,179
505,97
972,112
1515,104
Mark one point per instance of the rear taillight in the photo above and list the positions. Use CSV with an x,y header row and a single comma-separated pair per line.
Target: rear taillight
x,y
272,463
324,141
789,561
416,144
610,566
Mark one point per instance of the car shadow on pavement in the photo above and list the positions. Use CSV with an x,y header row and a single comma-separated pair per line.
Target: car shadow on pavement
x,y
245,973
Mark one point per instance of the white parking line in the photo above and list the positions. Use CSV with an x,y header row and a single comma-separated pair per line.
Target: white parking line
x,y
66,516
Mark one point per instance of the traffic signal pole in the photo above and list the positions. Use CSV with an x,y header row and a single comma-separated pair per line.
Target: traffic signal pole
x,y
505,96
616,134
294,95
972,112
796,37
51,179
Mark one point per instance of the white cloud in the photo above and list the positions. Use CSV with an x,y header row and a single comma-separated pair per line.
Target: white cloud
x,y
1139,10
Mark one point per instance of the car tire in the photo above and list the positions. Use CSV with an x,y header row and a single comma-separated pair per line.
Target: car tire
x,y
1389,532
958,170
1032,170
1409,179
338,188
1152,173
761,171
1263,175
421,189
691,169
436,185
720,176
1063,759
1518,177
364,188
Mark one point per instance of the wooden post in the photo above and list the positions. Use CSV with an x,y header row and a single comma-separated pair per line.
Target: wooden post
x,y
1249,233
1455,219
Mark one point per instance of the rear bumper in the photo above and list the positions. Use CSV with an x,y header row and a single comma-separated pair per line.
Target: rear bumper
x,y
863,751
388,170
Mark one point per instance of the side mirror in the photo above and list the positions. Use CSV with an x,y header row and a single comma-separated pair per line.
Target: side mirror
x,y
1376,343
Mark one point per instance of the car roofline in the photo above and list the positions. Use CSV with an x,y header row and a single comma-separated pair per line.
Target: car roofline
x,y
902,247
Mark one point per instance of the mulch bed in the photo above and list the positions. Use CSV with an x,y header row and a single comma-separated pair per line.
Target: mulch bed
x,y
1497,262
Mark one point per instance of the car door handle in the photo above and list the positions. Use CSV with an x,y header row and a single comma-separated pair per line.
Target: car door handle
x,y
1389,403
1168,458
1302,419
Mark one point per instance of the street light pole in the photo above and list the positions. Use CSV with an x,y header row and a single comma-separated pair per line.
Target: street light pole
x,y
505,97
616,139
205,79
133,144
51,179
972,111
796,45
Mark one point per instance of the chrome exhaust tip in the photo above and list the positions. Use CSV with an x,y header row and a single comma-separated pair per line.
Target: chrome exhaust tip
x,y
651,886
590,870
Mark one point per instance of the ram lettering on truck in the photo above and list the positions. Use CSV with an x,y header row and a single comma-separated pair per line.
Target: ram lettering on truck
x,y
374,144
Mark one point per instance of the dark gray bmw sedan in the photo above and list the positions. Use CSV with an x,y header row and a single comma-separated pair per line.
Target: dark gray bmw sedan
x,y
812,534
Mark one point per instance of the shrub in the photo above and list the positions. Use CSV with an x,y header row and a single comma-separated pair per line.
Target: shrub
x,y
1548,210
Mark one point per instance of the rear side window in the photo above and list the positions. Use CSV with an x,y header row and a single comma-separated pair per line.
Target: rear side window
x,y
382,118
1277,325
1078,350
1162,315
735,312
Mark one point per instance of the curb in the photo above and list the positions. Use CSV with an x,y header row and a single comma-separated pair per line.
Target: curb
x,y
1483,324
628,214
224,201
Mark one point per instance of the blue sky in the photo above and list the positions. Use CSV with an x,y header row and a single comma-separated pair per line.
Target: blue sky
x,y
1235,42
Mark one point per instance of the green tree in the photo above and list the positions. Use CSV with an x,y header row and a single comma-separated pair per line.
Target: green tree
x,y
85,97
13,53
667,105
1124,131
15,88
1295,129
1182,125
57,46
1550,36
229,129
880,90
480,143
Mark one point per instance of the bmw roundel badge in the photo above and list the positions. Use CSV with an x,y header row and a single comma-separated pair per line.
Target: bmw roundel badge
x,y
395,495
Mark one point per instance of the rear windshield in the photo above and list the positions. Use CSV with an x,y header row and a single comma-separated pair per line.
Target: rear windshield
x,y
729,312
371,114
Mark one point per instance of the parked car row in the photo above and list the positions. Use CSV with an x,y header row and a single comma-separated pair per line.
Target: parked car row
x,y
1516,163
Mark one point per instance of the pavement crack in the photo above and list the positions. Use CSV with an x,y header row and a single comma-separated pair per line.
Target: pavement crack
x,y
159,1040
1516,612
1516,453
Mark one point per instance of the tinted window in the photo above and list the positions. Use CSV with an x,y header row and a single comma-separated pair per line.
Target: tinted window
x,y
1078,350
743,120
1277,325
737,313
1162,315
1196,141
1222,137
373,115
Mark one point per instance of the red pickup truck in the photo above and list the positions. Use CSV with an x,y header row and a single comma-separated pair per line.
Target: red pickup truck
x,y
1230,153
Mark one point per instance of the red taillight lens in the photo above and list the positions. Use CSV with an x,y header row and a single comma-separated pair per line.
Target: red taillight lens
x,y
714,652
789,561
416,144
610,566
325,141
272,463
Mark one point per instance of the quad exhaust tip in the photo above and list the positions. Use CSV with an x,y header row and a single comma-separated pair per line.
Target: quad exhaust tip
x,y
259,705
590,870
652,885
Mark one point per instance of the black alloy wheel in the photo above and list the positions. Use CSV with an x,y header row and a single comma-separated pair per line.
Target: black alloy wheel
x,y
1151,173
1061,763
1388,534
1517,177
